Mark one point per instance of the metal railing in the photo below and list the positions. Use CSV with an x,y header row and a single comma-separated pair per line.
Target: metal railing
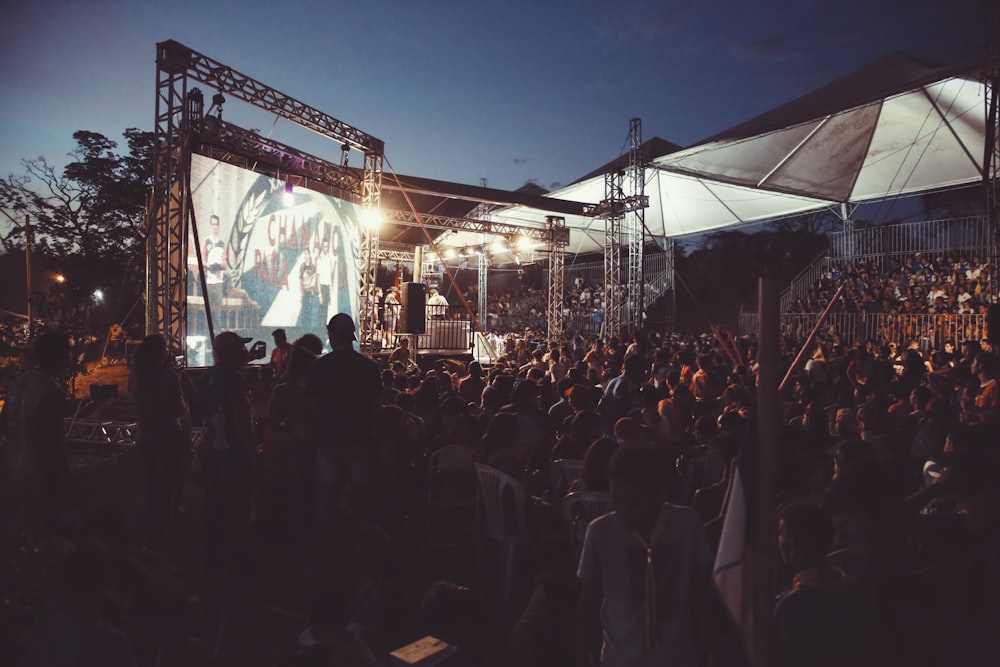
x,y
955,236
446,328
929,332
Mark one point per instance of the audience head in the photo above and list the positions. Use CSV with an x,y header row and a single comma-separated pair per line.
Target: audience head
x,y
639,486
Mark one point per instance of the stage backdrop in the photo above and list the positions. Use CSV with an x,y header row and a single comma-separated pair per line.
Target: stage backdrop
x,y
272,258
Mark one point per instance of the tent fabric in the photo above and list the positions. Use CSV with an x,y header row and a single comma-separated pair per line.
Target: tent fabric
x,y
897,126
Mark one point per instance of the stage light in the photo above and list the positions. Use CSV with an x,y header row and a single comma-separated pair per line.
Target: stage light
x,y
289,197
499,247
99,295
371,217
218,100
450,253
524,243
59,278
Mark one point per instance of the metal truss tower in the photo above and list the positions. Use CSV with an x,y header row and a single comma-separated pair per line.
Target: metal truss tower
x,y
557,262
611,206
483,213
178,121
633,231
624,230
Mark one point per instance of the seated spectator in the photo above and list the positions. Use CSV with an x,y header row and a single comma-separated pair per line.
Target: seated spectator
x,y
823,619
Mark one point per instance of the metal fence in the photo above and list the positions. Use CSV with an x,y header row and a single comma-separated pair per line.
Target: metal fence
x,y
930,332
955,236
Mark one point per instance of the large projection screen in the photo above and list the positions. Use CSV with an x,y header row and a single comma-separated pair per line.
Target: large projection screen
x,y
273,258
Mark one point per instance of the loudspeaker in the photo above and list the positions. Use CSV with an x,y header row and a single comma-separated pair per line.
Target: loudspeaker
x,y
993,324
414,311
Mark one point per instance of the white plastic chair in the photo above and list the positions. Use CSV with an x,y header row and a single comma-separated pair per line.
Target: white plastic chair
x,y
563,473
579,509
509,529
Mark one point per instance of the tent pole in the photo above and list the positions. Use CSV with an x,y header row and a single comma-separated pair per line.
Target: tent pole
x,y
765,521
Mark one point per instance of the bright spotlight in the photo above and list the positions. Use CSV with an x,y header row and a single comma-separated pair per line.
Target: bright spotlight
x,y
498,247
99,295
371,217
59,278
524,243
289,197
450,253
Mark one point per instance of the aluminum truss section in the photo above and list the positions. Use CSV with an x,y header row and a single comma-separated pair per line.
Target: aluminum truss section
x,y
234,84
166,230
247,149
371,188
472,225
104,432
557,263
612,302
632,231
482,212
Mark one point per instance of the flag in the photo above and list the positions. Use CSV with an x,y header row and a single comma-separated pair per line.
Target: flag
x,y
733,570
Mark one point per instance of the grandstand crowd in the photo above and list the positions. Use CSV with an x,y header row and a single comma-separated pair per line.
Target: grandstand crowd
x,y
918,284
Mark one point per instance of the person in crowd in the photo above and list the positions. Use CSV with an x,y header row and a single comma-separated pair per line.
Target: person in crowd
x,y
163,440
345,391
437,304
291,446
621,395
280,355
392,309
645,577
39,484
986,405
470,388
402,353
226,456
823,619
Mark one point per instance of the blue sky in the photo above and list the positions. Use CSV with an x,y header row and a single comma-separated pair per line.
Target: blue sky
x,y
509,91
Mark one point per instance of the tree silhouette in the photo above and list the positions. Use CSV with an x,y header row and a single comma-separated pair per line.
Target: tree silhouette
x,y
87,221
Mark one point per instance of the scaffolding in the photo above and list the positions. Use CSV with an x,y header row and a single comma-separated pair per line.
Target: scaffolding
x,y
557,261
624,235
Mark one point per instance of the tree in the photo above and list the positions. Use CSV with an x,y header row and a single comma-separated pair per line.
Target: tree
x,y
88,221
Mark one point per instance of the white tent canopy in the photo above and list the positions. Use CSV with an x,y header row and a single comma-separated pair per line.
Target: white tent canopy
x,y
895,127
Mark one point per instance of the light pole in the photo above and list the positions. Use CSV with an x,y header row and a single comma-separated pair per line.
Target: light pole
x,y
27,271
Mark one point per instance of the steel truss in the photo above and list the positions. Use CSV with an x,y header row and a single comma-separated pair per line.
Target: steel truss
x,y
475,225
633,231
180,122
557,262
622,209
247,149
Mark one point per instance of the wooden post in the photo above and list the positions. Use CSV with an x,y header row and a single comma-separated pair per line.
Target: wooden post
x,y
764,512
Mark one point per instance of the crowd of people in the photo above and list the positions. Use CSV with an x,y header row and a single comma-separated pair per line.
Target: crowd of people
x,y
917,284
888,492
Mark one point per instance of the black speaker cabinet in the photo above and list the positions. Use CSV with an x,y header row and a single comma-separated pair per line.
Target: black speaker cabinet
x,y
413,315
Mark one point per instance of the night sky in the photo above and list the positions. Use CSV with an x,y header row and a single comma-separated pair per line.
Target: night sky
x,y
509,91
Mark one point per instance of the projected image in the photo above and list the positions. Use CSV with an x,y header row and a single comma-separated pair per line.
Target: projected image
x,y
270,258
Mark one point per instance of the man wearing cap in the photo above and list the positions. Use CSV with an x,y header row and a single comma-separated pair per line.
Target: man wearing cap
x,y
344,390
226,454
